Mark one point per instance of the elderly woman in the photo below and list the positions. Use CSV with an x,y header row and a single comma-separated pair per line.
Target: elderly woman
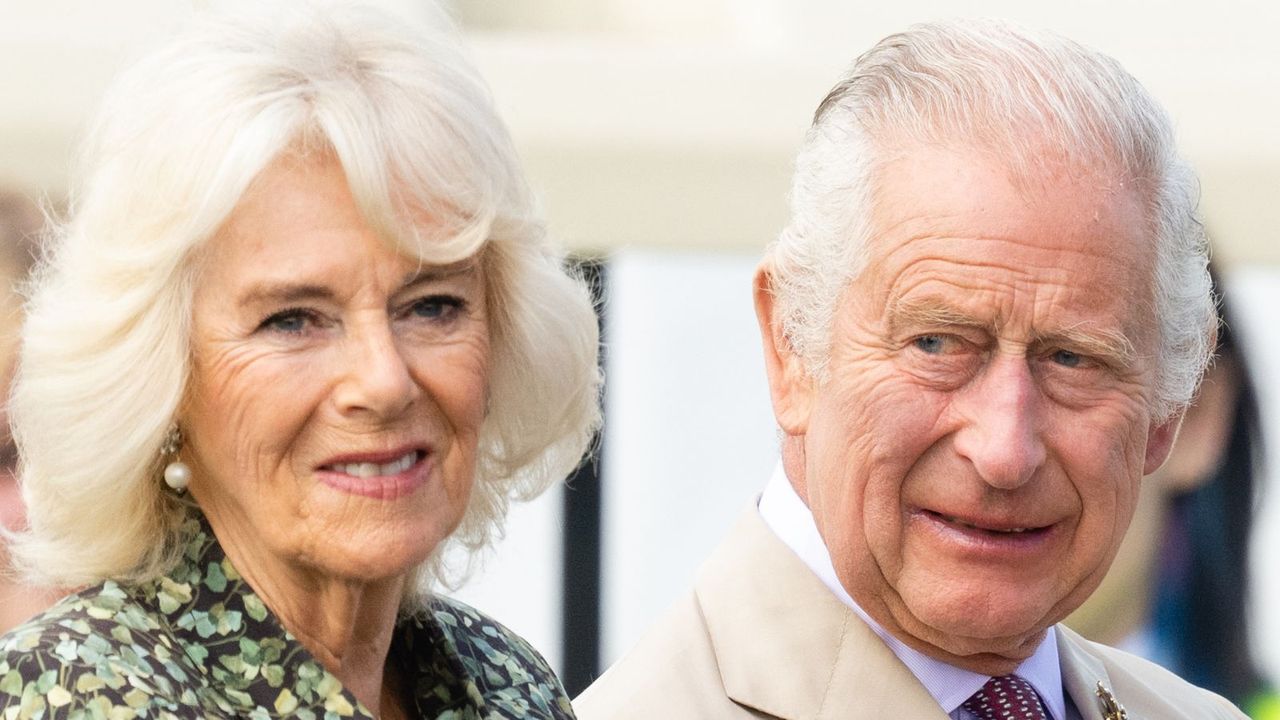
x,y
301,331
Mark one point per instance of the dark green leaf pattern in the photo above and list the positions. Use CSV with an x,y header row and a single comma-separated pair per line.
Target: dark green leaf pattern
x,y
199,643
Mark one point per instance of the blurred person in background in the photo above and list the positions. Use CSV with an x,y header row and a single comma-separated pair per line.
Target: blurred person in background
x,y
1178,590
302,329
20,222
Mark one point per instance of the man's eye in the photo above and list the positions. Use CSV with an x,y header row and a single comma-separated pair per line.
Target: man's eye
x,y
932,344
1066,358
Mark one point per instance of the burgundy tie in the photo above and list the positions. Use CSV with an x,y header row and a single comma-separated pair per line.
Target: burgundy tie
x,y
1007,697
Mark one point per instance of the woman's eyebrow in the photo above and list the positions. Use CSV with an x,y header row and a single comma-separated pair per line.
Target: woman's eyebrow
x,y
435,273
269,291
283,292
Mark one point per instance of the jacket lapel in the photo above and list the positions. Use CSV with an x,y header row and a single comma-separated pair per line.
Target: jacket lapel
x,y
1081,675
786,646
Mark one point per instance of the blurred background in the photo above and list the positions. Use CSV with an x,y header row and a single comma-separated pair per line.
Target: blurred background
x,y
659,134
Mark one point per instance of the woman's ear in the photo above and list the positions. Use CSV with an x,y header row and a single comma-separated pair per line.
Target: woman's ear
x,y
790,386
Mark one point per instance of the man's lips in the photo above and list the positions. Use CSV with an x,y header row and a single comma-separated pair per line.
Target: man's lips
x,y
989,526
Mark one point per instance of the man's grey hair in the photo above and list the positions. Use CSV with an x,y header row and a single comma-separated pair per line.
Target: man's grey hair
x,y
1027,98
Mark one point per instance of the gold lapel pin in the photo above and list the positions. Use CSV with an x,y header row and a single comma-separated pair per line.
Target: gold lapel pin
x,y
1111,709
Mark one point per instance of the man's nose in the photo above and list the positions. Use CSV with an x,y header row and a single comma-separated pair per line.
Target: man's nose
x,y
1001,434
377,380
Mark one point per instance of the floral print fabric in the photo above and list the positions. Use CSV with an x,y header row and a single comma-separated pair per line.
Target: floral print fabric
x,y
199,643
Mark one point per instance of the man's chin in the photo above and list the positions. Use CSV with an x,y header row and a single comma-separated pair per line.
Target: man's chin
x,y
987,643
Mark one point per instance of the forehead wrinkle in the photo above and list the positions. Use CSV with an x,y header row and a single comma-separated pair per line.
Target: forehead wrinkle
x,y
1019,278
963,253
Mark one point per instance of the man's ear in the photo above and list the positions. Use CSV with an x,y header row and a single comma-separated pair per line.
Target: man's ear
x,y
789,384
1160,440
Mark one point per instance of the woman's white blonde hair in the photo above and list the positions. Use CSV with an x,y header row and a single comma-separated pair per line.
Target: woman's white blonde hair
x,y
178,139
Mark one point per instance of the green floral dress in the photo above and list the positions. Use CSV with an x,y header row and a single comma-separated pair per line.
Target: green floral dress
x,y
199,643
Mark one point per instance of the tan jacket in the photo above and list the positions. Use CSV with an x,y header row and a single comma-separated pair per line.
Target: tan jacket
x,y
761,637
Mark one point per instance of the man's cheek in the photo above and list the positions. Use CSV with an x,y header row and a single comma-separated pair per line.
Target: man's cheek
x,y
904,418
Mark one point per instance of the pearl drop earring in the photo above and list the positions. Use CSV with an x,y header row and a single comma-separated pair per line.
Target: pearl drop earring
x,y
176,474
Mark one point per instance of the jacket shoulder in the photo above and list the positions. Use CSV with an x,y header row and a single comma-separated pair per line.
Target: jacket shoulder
x,y
1149,690
96,650
509,673
671,673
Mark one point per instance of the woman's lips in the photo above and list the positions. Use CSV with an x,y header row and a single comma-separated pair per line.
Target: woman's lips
x,y
373,469
382,477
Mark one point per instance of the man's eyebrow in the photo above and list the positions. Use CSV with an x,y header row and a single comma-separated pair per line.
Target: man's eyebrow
x,y
902,313
1109,346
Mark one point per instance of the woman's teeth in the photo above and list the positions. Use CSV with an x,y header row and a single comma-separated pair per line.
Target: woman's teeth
x,y
368,470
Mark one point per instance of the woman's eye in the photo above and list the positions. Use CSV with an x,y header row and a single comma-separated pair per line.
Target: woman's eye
x,y
291,322
437,307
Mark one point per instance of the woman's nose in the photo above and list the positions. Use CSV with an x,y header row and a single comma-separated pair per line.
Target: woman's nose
x,y
377,379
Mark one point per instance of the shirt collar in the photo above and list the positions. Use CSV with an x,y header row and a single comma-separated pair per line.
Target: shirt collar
x,y
789,518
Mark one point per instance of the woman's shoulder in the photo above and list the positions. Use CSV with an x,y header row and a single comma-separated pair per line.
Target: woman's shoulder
x,y
470,628
507,669
99,648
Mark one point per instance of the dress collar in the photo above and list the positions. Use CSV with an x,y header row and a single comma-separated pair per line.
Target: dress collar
x,y
252,661
789,518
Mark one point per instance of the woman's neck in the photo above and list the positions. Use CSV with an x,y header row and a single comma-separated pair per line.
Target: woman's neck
x,y
346,623
349,630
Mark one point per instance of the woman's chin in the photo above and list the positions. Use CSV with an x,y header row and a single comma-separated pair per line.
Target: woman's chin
x,y
373,563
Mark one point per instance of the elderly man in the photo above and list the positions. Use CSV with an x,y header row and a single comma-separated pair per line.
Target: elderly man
x,y
981,328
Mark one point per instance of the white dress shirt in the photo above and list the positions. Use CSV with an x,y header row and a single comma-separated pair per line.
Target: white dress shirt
x,y
786,514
